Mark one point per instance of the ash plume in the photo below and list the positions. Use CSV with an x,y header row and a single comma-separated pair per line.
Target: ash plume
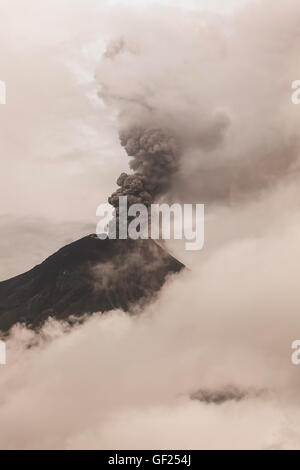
x,y
237,141
155,158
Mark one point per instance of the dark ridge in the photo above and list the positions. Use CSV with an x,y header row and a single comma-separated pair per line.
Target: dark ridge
x,y
218,397
87,276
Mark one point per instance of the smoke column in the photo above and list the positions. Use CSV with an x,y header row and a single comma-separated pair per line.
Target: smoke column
x,y
155,159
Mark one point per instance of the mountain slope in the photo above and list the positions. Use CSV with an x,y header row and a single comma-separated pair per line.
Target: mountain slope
x,y
89,275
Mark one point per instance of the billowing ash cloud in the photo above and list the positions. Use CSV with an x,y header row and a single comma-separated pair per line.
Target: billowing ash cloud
x,y
155,158
225,98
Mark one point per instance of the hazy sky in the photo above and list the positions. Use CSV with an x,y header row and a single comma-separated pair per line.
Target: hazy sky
x,y
219,6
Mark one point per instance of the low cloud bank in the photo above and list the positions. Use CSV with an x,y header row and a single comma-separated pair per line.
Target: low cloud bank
x,y
119,381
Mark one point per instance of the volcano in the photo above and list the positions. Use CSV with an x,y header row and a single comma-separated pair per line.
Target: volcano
x,y
87,276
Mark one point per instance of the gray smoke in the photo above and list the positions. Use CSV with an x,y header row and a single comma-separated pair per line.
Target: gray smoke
x,y
227,99
155,158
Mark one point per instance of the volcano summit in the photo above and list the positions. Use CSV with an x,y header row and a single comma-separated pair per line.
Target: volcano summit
x,y
87,276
